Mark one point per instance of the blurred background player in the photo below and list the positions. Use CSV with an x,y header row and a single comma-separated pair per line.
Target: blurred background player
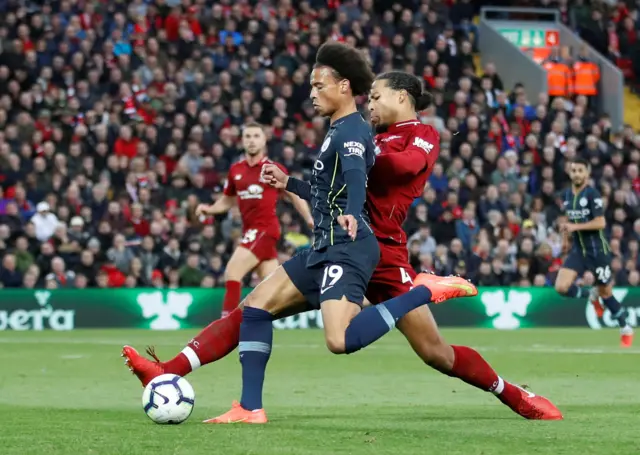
x,y
257,250
260,225
584,209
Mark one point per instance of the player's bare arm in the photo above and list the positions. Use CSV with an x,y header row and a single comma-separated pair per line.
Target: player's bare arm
x,y
302,207
222,205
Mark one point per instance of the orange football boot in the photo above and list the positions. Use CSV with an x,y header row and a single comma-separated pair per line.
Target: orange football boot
x,y
238,414
626,337
445,287
142,367
536,407
594,298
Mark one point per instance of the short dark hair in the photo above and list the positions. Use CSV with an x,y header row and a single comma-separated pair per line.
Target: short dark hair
x,y
347,63
581,160
252,125
399,80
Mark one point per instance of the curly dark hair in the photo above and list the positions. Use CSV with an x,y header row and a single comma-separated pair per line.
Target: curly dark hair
x,y
399,80
347,63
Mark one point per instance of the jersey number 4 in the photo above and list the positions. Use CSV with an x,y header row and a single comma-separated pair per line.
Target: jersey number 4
x,y
406,278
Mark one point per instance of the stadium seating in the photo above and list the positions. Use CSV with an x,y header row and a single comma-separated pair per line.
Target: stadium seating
x,y
100,101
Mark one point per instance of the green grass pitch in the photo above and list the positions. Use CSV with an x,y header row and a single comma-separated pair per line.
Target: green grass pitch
x,y
70,394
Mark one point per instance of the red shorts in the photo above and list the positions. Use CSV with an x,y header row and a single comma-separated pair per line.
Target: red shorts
x,y
393,276
262,245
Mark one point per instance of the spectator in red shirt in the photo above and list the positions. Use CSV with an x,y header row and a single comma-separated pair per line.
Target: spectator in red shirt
x,y
126,144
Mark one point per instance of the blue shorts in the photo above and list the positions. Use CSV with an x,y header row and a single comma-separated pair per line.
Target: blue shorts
x,y
597,263
335,271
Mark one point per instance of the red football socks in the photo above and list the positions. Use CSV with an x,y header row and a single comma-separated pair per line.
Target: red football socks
x,y
214,342
470,367
231,297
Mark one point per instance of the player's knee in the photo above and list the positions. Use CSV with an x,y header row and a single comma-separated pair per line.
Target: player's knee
x,y
336,344
230,274
252,301
562,287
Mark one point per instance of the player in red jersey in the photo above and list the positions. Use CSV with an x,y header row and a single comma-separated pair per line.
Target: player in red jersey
x,y
257,249
257,204
407,152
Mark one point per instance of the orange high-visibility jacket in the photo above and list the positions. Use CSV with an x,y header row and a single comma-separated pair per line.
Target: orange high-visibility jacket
x,y
559,78
585,78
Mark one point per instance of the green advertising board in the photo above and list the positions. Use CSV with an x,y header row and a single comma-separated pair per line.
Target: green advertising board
x,y
108,308
531,37
498,308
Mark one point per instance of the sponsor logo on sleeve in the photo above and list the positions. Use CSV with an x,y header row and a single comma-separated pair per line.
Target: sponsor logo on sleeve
x,y
353,148
424,145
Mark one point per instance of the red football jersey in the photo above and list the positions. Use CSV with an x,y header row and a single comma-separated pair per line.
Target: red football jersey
x,y
256,200
406,153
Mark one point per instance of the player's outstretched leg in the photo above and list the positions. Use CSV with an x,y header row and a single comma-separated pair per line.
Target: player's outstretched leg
x,y
375,321
472,368
468,365
213,343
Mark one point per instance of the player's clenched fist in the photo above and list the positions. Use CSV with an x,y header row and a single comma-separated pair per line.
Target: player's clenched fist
x,y
274,176
349,224
203,210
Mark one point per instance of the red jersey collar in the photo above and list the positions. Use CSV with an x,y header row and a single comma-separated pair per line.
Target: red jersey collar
x,y
398,126
262,161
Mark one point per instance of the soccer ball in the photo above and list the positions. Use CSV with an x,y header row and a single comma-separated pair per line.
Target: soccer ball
x,y
168,399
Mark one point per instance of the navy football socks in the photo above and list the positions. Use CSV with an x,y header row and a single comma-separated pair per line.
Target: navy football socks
x,y
375,321
617,312
256,338
577,292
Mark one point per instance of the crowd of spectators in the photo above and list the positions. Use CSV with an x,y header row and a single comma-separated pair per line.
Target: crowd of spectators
x,y
118,118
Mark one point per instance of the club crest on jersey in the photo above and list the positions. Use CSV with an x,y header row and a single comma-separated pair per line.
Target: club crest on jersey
x,y
424,145
354,148
325,144
237,177
583,202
